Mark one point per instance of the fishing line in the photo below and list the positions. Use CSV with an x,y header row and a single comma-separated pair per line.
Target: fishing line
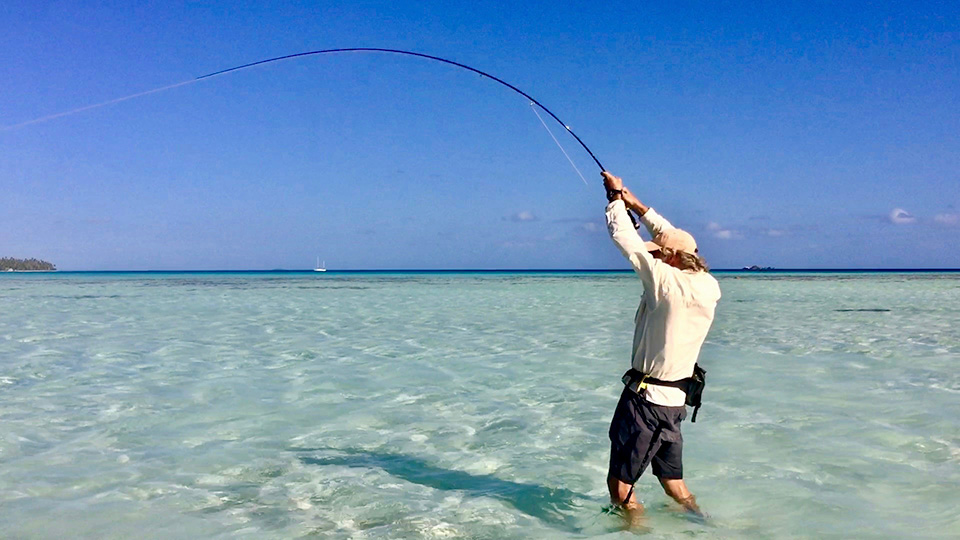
x,y
572,164
95,106
312,53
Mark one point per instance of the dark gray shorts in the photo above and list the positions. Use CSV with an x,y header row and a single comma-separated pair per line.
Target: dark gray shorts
x,y
642,433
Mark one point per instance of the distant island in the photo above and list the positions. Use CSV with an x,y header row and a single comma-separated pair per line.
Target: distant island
x,y
756,268
9,264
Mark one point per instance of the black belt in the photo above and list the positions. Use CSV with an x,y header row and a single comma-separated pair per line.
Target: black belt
x,y
638,380
693,386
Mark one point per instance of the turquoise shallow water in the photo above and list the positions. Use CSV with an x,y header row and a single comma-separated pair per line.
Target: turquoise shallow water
x,y
464,406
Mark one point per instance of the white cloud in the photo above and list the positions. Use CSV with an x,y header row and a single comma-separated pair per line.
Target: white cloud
x,y
591,227
947,219
899,216
719,232
776,232
525,215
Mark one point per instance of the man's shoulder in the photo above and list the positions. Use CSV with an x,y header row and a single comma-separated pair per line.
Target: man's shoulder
x,y
706,279
701,285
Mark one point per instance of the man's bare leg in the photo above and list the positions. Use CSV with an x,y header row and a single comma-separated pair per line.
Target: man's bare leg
x,y
633,510
676,488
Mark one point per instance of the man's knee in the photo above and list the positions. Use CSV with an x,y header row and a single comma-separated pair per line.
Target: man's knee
x,y
676,488
619,490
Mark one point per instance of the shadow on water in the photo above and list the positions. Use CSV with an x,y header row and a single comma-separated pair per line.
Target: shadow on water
x,y
552,506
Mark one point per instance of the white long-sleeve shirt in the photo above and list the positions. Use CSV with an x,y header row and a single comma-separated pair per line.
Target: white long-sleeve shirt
x,y
676,309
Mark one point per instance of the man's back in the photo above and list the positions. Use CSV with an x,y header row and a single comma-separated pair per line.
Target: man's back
x,y
672,322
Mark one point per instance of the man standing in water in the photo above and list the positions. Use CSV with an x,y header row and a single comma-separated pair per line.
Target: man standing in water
x,y
675,313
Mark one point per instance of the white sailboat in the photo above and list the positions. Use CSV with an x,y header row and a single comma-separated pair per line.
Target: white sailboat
x,y
320,267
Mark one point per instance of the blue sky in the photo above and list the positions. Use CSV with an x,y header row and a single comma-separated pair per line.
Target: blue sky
x,y
800,135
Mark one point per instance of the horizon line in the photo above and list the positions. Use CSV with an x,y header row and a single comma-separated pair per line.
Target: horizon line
x,y
485,270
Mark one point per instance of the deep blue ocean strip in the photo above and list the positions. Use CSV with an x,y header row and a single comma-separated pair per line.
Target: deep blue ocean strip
x,y
778,271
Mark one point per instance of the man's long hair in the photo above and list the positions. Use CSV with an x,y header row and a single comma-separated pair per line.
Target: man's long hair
x,y
688,261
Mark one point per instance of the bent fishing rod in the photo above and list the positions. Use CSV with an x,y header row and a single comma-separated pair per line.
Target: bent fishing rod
x,y
532,100
298,55
419,55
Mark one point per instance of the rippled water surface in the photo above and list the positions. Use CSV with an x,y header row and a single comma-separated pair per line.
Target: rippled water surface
x,y
464,406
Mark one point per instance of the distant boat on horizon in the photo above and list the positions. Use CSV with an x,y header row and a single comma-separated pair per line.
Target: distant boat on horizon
x,y
320,267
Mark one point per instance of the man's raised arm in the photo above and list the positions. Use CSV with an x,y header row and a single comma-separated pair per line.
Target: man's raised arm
x,y
621,228
654,222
